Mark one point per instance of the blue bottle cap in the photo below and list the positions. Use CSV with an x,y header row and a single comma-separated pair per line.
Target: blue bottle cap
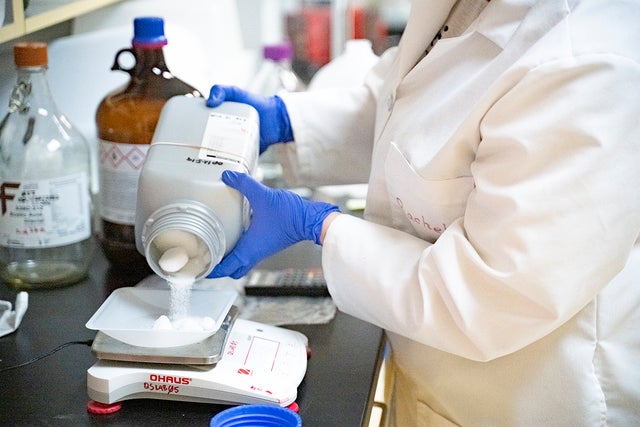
x,y
256,415
148,30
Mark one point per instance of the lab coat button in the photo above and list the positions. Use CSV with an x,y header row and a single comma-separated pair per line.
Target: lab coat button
x,y
390,102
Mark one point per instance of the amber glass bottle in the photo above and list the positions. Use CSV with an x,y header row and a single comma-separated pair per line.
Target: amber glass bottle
x,y
126,120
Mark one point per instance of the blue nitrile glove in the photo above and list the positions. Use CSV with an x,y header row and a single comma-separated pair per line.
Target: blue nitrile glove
x,y
280,219
274,118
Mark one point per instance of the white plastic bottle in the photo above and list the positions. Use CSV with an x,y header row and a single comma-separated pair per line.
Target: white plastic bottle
x,y
182,201
348,69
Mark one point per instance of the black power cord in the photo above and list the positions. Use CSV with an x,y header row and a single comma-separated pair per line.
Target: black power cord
x,y
55,350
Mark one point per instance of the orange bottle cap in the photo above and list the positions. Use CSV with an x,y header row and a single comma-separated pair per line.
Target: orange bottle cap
x,y
30,54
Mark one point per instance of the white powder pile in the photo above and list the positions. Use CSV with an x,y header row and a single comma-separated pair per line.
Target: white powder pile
x,y
185,324
184,257
178,318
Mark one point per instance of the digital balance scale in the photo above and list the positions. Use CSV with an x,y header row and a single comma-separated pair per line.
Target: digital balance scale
x,y
238,361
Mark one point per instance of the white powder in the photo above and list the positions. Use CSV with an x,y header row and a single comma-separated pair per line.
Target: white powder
x,y
163,323
172,238
180,297
184,257
178,318
173,259
188,324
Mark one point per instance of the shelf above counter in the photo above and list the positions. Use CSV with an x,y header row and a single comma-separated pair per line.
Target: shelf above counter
x,y
41,14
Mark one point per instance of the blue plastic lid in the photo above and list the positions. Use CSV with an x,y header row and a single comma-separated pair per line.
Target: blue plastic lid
x,y
148,30
256,415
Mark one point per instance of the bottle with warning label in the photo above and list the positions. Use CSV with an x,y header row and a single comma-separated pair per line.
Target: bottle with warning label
x,y
126,119
45,226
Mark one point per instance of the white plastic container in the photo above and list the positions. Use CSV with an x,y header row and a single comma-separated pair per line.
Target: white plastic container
x,y
182,201
347,70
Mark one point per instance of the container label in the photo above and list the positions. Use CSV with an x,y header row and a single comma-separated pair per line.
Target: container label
x,y
120,167
45,213
225,136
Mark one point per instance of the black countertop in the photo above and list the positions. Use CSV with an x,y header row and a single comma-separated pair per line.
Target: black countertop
x,y
337,390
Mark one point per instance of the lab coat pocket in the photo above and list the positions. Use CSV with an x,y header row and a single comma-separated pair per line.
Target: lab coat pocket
x,y
424,207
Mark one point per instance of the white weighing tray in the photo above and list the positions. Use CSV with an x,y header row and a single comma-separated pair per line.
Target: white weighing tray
x,y
128,315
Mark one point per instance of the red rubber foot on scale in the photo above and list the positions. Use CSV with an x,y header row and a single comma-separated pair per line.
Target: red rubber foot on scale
x,y
294,407
98,408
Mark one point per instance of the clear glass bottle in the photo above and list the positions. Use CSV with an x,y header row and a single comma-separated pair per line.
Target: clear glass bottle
x,y
275,75
126,119
46,226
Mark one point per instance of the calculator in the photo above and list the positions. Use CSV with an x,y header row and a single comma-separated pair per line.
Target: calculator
x,y
307,282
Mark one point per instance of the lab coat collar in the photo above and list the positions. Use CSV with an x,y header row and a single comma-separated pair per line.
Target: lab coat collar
x,y
425,20
498,22
501,18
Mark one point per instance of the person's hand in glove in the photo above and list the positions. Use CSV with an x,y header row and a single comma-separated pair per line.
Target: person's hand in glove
x,y
280,219
275,125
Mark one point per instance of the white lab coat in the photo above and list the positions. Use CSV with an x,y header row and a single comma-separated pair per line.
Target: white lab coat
x,y
500,250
